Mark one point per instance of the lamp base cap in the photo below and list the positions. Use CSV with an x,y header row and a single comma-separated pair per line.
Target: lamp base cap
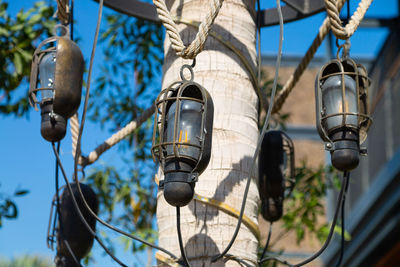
x,y
346,156
178,190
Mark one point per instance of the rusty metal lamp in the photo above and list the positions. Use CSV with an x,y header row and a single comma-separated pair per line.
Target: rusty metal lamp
x,y
341,110
276,173
182,137
73,238
56,83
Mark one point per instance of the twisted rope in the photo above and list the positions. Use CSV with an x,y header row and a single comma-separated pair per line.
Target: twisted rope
x,y
294,78
110,142
62,11
246,63
74,121
198,43
336,24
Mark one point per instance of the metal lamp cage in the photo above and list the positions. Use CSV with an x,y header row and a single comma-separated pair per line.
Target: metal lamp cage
x,y
176,93
68,74
289,172
357,72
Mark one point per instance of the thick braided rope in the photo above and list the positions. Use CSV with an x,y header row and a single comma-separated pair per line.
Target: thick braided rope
x,y
336,24
110,142
62,12
294,78
198,43
238,53
74,122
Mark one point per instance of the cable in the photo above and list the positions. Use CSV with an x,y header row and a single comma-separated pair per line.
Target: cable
x,y
52,225
331,230
246,191
79,211
71,19
259,45
72,253
241,261
58,209
340,200
343,229
268,240
78,144
276,259
178,228
117,229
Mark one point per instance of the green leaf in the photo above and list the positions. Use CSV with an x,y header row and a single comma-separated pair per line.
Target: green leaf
x,y
18,63
35,19
4,32
27,56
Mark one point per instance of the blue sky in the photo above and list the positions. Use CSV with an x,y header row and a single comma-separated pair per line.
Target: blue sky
x,y
27,160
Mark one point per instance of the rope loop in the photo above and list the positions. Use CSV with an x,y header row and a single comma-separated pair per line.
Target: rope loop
x,y
338,30
193,49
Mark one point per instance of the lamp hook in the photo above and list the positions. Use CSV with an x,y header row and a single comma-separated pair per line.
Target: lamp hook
x,y
190,68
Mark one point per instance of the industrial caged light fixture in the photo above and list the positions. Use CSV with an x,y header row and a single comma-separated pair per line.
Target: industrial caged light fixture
x,y
57,67
342,119
182,137
74,241
276,173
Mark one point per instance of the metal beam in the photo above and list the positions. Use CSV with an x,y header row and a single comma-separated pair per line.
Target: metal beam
x,y
291,12
294,10
304,6
134,8
377,22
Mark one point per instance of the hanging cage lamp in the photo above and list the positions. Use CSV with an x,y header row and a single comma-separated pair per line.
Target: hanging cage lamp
x,y
342,119
182,137
56,83
276,173
72,235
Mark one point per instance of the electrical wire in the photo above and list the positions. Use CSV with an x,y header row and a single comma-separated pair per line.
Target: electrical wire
x,y
72,253
342,218
241,261
331,230
52,223
276,259
347,181
178,228
348,11
259,45
268,240
340,201
71,19
58,211
78,150
79,211
266,122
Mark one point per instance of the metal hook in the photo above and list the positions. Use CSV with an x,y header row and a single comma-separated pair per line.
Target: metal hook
x,y
190,68
193,63
346,49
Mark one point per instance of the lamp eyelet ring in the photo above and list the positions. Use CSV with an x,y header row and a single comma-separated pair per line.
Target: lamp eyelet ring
x,y
189,67
64,31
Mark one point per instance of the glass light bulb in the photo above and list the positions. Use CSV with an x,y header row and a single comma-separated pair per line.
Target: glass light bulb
x,y
333,103
47,68
188,129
